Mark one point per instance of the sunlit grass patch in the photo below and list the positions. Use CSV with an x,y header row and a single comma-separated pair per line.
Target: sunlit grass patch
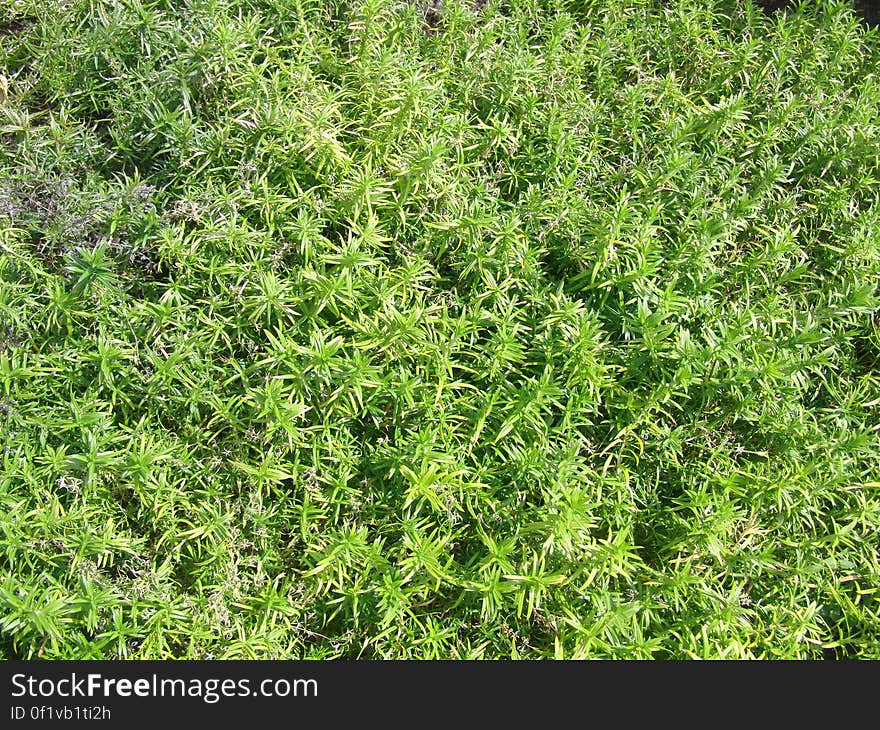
x,y
528,328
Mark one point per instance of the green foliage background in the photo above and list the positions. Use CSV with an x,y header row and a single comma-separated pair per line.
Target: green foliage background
x,y
372,329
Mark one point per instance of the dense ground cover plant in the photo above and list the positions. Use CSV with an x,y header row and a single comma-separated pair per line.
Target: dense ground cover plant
x,y
372,328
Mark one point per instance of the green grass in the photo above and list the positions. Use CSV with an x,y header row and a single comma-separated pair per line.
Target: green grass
x,y
365,329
